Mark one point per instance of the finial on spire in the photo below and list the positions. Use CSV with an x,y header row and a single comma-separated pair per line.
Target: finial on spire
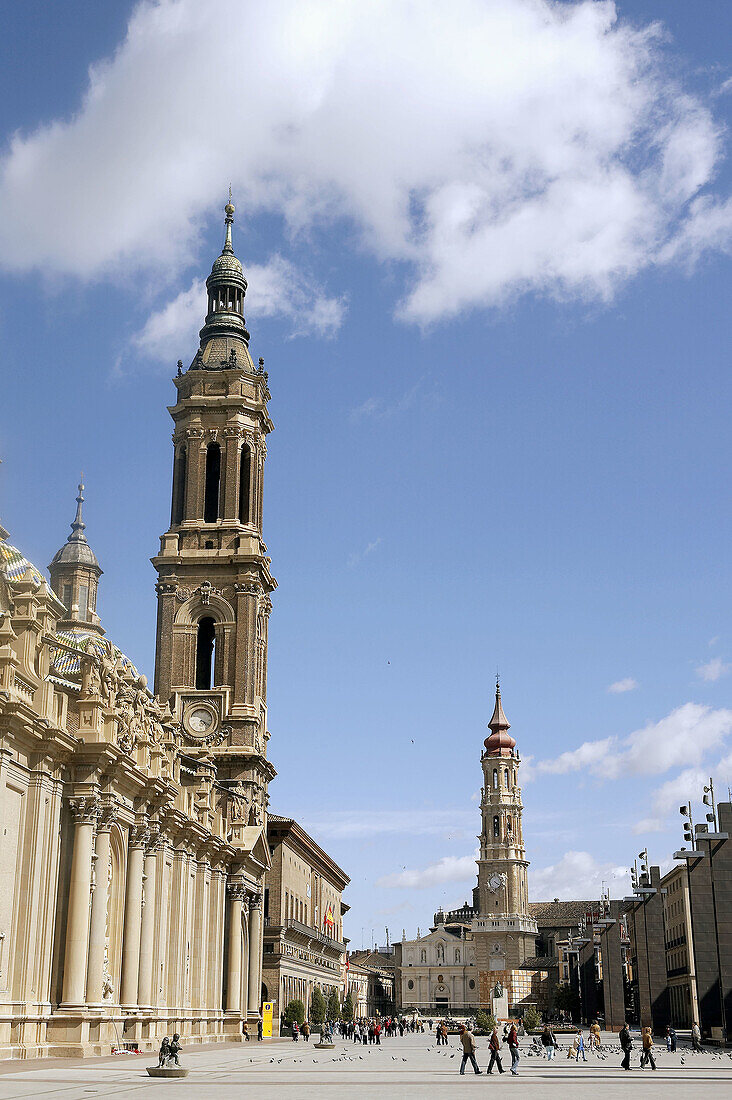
x,y
229,220
78,525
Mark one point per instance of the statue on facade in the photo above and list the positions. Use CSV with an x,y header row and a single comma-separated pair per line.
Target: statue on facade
x,y
498,991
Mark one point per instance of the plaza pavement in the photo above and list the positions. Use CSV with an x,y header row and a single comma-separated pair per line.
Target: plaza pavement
x,y
412,1068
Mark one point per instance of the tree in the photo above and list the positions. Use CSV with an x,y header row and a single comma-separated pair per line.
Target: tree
x,y
295,1011
334,1006
317,1007
568,999
348,1010
485,1021
532,1018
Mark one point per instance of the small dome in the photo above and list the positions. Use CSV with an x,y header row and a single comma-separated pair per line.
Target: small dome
x,y
500,741
227,264
76,550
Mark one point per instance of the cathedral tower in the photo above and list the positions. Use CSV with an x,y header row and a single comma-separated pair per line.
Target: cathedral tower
x,y
505,933
214,579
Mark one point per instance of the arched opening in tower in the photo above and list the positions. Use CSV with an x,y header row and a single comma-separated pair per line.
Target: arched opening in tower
x,y
213,481
179,485
244,477
205,653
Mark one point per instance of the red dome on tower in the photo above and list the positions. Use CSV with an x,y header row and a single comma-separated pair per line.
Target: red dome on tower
x,y
500,742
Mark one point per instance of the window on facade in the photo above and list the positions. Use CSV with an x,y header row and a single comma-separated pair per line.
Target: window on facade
x,y
410,984
205,653
495,779
179,486
423,956
496,827
457,954
244,477
213,483
83,600
66,597
505,777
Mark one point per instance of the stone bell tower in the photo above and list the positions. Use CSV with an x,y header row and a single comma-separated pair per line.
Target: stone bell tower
x,y
214,579
505,933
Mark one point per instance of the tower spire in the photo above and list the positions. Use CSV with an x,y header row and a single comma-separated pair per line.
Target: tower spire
x,y
500,740
78,526
228,221
75,571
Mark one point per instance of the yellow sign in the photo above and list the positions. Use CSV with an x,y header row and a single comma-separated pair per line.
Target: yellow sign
x,y
267,1008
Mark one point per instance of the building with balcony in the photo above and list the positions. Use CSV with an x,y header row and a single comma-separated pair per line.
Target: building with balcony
x,y
303,913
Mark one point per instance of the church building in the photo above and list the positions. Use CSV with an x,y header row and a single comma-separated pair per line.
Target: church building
x,y
133,823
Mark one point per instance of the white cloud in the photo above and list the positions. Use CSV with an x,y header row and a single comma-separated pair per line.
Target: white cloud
x,y
713,670
276,288
649,825
447,869
488,150
577,875
381,409
621,686
683,736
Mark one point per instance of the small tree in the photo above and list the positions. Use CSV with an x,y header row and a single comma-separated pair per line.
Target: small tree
x,y
485,1021
567,998
317,1007
348,1009
295,1011
532,1018
334,1006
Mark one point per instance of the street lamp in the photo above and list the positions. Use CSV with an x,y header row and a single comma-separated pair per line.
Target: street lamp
x,y
685,812
708,800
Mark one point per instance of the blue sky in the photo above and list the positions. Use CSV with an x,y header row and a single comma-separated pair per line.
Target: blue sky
x,y
494,311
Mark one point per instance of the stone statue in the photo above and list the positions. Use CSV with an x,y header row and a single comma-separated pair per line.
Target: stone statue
x,y
498,991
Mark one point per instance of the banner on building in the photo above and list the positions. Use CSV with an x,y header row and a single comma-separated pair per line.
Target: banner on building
x,y
267,1008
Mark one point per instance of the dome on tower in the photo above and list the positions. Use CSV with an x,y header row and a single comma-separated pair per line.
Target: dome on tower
x,y
500,741
76,550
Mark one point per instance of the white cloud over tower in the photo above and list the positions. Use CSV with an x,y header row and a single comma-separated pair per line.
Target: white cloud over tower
x,y
486,149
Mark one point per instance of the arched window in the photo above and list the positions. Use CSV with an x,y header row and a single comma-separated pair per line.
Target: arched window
x,y
457,954
495,779
496,827
423,956
505,777
205,649
245,465
213,482
179,486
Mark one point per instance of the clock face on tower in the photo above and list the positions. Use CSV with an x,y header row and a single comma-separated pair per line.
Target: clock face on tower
x,y
495,882
200,720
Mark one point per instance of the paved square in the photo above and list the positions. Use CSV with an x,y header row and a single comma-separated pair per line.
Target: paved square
x,y
410,1068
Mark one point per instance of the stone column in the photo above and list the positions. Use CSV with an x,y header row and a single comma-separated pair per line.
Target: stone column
x,y
85,812
100,900
233,979
133,919
148,925
255,951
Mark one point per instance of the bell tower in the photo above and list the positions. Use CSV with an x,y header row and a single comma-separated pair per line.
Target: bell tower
x,y
503,929
214,579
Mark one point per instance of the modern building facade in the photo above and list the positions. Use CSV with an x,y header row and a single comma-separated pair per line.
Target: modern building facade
x,y
680,974
303,918
133,824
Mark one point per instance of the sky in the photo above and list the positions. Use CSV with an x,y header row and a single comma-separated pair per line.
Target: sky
x,y
488,251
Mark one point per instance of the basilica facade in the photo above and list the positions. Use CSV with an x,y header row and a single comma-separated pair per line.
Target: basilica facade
x,y
133,822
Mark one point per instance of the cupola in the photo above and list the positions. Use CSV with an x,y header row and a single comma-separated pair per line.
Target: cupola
x,y
75,573
500,742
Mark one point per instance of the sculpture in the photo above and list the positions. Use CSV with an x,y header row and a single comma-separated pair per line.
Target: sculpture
x,y
498,991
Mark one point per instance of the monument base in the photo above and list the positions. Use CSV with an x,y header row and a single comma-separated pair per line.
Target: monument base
x,y
167,1071
324,1046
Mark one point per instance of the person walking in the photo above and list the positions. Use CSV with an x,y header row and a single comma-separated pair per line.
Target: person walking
x,y
595,1043
260,1029
245,1031
580,1048
548,1042
626,1045
306,1031
696,1038
670,1040
647,1055
468,1042
495,1047
295,1031
513,1046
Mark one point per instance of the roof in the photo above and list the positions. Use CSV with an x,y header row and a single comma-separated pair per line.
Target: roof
x,y
560,914
64,663
13,566
287,826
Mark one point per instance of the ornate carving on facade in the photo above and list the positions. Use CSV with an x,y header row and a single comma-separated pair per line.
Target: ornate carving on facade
x,y
84,809
165,588
236,890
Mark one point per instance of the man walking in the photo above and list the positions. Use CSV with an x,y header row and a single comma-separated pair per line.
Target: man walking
x,y
495,1047
468,1040
696,1038
647,1055
626,1045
